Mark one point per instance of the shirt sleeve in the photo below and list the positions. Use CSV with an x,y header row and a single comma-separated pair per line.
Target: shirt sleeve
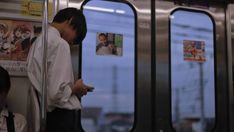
x,y
34,64
20,123
60,75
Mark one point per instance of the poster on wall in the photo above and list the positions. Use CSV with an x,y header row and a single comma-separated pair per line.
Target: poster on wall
x,y
16,38
109,44
35,8
194,50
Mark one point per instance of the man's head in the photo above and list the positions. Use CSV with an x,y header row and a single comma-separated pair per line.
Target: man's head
x,y
5,85
74,24
102,38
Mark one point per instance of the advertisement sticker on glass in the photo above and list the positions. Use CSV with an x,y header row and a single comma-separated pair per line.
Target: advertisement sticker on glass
x,y
109,44
194,50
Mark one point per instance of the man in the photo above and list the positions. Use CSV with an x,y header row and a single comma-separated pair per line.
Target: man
x,y
103,47
68,27
9,122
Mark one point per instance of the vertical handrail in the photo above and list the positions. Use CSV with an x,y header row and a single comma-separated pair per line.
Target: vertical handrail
x,y
201,92
44,67
230,65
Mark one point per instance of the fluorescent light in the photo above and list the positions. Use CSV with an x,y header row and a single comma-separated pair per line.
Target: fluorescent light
x,y
104,9
120,11
99,9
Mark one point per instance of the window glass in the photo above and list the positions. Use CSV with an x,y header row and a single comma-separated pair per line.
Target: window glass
x,y
192,71
108,63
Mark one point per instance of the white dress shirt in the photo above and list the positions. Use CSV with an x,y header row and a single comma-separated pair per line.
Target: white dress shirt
x,y
19,122
59,73
104,50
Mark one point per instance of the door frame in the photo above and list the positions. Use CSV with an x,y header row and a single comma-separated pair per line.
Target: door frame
x,y
162,100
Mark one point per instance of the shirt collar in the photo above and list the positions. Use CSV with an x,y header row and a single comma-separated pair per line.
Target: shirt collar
x,y
54,30
4,112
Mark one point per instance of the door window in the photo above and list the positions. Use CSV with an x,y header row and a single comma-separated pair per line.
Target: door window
x,y
108,63
192,71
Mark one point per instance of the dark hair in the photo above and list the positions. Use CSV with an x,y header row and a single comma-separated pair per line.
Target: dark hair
x,y
102,34
78,21
5,82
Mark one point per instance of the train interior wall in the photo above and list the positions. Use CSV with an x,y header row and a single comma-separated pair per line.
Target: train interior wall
x,y
18,96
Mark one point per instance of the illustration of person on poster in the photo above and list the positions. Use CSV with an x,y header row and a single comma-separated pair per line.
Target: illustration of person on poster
x,y
109,44
20,40
16,38
194,50
4,36
4,33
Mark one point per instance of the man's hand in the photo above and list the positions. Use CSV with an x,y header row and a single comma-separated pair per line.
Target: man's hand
x,y
80,88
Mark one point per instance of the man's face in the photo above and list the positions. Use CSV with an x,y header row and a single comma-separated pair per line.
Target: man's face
x,y
102,39
69,34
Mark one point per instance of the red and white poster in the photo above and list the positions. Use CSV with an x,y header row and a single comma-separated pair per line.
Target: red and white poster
x,y
194,50
16,38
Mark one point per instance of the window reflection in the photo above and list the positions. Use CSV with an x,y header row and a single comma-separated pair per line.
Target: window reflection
x,y
110,107
192,72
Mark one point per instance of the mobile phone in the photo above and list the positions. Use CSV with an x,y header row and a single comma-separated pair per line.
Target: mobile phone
x,y
90,89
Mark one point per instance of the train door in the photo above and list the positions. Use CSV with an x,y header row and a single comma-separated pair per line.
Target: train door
x,y
114,58
230,41
191,67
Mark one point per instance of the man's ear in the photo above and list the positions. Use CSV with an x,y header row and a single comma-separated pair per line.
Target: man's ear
x,y
69,21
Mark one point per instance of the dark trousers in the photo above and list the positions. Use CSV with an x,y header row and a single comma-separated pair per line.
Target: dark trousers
x,y
62,120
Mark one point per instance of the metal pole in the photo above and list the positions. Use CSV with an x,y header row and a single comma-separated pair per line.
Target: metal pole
x,y
177,109
202,97
44,68
114,88
230,50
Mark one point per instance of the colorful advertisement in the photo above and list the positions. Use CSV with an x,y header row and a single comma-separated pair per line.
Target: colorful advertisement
x,y
109,44
16,38
194,50
35,8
